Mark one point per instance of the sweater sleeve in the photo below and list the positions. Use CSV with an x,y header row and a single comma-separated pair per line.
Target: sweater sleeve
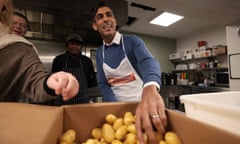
x,y
142,60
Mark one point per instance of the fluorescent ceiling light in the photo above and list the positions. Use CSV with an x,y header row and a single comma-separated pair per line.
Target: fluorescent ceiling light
x,y
165,19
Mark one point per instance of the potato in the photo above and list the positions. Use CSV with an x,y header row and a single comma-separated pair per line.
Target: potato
x,y
131,138
108,133
69,136
110,118
162,142
92,141
172,138
116,142
128,118
131,128
96,133
117,123
121,132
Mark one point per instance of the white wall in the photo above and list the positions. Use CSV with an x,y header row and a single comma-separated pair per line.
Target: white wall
x,y
233,42
213,35
160,48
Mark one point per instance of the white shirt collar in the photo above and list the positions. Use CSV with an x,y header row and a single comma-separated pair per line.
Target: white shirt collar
x,y
116,39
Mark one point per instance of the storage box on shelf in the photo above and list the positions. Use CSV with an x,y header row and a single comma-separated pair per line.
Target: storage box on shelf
x,y
220,109
219,50
33,124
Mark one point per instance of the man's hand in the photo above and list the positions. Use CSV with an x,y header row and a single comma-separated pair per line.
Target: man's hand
x,y
150,115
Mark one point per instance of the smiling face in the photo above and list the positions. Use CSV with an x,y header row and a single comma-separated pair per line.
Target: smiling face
x,y
19,25
105,23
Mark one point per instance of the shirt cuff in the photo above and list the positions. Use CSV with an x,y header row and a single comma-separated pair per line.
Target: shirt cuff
x,y
47,89
152,83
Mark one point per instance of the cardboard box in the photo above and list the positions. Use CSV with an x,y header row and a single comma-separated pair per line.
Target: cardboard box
x,y
220,109
41,125
30,124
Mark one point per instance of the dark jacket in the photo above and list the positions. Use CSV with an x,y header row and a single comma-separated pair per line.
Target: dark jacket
x,y
60,61
85,65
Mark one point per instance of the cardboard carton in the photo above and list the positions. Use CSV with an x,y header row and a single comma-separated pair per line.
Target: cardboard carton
x,y
30,124
33,124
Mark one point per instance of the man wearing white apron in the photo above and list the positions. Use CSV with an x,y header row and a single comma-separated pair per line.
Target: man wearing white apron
x,y
123,78
126,71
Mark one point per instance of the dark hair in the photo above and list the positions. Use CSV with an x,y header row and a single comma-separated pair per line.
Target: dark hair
x,y
22,16
98,6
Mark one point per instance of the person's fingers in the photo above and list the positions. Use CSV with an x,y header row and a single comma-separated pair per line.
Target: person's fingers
x,y
149,130
64,84
144,125
61,84
71,88
158,123
162,113
140,134
163,118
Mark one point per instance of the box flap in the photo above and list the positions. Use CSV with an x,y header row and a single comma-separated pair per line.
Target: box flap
x,y
192,131
30,124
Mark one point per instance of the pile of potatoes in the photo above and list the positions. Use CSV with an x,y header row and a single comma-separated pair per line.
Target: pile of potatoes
x,y
122,130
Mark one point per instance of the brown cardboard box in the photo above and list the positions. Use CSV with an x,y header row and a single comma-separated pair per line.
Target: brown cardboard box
x,y
33,124
85,117
30,124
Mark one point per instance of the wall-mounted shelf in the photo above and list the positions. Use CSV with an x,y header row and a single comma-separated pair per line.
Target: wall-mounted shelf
x,y
204,69
198,59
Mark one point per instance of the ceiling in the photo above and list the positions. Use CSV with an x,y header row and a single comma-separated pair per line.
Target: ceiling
x,y
199,14
75,15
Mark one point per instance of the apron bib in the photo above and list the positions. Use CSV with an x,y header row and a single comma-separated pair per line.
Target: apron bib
x,y
124,80
81,97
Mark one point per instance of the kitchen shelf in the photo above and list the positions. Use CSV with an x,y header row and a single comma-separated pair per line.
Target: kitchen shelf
x,y
203,69
197,59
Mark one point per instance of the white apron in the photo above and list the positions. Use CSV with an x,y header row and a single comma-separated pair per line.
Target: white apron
x,y
124,80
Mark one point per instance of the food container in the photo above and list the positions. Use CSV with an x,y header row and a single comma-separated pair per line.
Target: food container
x,y
221,109
34,124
